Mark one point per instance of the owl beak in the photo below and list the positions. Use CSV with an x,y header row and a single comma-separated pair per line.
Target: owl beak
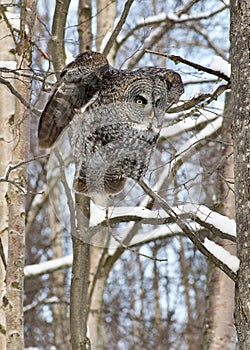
x,y
156,119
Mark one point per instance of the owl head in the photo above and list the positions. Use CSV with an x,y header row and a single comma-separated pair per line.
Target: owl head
x,y
142,96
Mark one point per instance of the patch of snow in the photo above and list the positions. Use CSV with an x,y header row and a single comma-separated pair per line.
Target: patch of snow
x,y
221,222
8,64
14,19
152,19
220,65
220,253
69,57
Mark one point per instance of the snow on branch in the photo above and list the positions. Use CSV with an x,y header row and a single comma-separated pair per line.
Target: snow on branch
x,y
177,18
188,149
222,254
220,65
193,215
190,146
218,223
48,266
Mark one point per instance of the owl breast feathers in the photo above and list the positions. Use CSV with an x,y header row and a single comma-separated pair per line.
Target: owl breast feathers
x,y
116,117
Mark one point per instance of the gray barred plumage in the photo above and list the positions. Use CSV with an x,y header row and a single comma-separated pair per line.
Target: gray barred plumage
x,y
116,117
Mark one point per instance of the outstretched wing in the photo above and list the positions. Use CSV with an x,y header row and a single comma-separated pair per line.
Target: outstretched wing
x,y
79,82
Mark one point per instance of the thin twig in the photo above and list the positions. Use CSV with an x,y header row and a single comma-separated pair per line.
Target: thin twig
x,y
19,96
15,166
21,163
2,254
122,245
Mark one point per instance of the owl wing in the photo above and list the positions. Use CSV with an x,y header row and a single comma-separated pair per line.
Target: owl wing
x,y
78,83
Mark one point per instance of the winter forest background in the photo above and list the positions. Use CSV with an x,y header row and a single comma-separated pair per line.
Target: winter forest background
x,y
161,267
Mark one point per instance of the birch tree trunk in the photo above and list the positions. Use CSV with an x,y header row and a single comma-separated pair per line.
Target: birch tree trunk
x,y
85,25
16,195
219,323
240,49
105,25
7,109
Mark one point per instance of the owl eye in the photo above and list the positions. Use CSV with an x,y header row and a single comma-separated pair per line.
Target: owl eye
x,y
140,100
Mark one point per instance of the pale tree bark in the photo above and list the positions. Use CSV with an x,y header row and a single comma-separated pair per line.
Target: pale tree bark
x,y
16,195
240,48
186,285
106,13
85,25
7,109
79,306
97,283
219,331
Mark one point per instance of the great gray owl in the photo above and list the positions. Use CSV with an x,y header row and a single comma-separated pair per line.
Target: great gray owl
x,y
115,115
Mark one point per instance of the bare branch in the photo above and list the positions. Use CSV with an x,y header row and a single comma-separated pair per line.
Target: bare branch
x,y
12,31
14,92
179,59
166,23
200,101
118,27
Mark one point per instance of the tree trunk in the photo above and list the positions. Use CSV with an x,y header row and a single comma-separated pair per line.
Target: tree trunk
x,y
85,25
16,196
219,331
105,25
57,282
56,43
96,252
239,35
7,111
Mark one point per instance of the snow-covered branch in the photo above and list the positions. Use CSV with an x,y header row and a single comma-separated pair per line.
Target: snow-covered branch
x,y
188,231
48,266
193,215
